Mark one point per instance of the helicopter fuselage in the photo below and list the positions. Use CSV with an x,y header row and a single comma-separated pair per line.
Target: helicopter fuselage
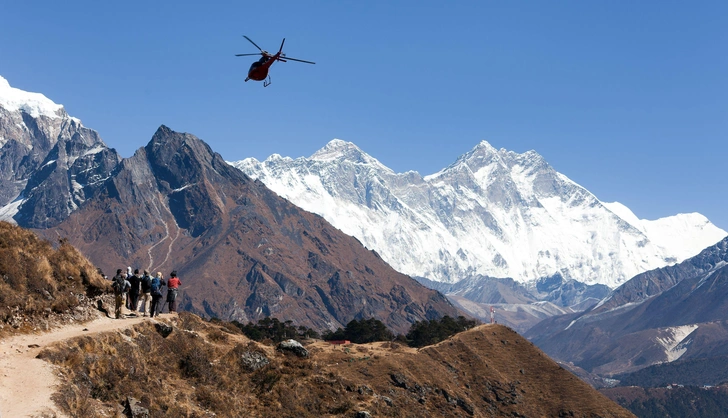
x,y
259,69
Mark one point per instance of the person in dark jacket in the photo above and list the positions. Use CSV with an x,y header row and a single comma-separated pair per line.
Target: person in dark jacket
x,y
173,285
156,292
145,297
135,280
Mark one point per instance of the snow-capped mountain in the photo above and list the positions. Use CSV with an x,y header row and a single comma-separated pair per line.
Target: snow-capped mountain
x,y
49,162
492,212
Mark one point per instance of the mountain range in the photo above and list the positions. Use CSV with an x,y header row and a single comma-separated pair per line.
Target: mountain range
x,y
243,253
493,213
668,319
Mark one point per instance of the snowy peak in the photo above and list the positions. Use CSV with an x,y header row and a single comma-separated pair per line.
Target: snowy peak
x,y
34,104
487,163
480,156
340,151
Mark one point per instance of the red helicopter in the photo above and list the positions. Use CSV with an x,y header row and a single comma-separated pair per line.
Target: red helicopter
x,y
259,70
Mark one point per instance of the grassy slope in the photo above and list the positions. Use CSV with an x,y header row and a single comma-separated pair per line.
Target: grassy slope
x,y
197,370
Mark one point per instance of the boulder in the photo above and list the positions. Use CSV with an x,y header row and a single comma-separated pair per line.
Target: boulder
x,y
294,347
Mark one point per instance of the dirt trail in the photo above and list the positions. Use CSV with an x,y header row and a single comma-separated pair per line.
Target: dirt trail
x,y
27,383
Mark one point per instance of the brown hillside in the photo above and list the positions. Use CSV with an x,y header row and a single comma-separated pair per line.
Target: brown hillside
x,y
41,286
203,369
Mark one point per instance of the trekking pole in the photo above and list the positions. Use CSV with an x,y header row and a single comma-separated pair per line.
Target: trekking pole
x,y
163,305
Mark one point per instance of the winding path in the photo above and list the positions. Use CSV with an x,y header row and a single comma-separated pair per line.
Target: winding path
x,y
27,383
164,238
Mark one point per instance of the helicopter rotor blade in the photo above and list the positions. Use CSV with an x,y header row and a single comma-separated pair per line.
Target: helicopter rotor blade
x,y
251,41
281,48
245,55
296,59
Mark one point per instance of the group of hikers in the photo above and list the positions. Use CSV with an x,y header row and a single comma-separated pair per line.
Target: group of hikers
x,y
143,293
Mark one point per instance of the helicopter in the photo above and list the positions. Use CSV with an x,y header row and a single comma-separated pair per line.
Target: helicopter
x,y
259,69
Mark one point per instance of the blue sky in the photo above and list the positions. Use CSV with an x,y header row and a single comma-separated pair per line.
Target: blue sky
x,y
628,99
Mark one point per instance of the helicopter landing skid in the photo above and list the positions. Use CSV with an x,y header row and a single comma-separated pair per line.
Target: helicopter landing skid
x,y
267,82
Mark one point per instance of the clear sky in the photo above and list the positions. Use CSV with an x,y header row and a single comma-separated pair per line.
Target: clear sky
x,y
627,98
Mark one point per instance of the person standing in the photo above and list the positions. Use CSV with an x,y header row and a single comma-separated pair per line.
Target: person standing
x,y
146,293
119,284
156,292
135,280
126,293
173,285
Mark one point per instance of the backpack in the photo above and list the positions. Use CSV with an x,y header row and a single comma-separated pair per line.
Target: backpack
x,y
118,284
156,285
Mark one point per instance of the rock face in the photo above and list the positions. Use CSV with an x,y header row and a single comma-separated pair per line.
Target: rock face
x,y
241,251
661,316
493,213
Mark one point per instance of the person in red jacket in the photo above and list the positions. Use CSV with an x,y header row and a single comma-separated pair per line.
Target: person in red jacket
x,y
172,289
